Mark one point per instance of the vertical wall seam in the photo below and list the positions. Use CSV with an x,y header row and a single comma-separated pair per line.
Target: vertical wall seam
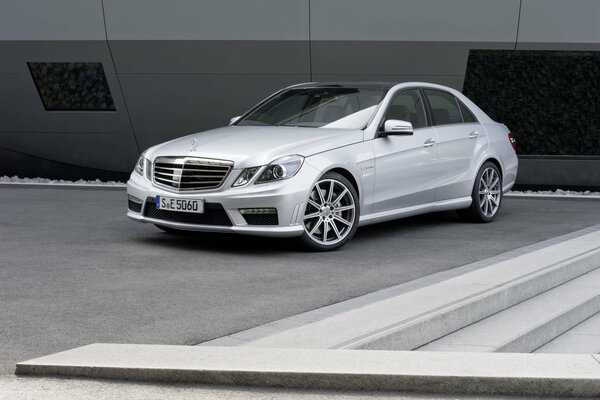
x,y
518,24
310,73
137,144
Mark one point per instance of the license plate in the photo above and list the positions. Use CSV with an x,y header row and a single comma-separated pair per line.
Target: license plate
x,y
183,205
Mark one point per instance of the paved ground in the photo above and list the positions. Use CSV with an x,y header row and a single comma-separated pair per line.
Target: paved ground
x,y
74,270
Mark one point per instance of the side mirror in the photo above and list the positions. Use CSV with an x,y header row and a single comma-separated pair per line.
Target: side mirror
x,y
234,120
396,127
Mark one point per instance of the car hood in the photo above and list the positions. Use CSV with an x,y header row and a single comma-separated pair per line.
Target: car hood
x,y
249,146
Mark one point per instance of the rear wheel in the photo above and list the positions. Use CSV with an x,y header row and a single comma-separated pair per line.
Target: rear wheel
x,y
331,214
486,195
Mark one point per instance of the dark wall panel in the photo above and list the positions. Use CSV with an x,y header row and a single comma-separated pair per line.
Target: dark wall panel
x,y
388,58
454,81
23,165
15,54
187,103
115,151
22,110
211,56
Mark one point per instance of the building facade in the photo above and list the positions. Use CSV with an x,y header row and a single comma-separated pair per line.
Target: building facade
x,y
86,85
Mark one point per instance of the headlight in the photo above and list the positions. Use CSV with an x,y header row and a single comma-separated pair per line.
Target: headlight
x,y
282,168
139,165
246,176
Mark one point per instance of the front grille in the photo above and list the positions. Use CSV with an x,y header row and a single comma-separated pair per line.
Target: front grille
x,y
135,207
261,219
190,173
214,214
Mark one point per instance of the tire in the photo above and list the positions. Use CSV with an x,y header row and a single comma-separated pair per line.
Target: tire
x,y
331,214
486,195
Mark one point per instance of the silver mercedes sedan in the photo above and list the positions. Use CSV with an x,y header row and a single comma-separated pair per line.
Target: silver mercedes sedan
x,y
318,160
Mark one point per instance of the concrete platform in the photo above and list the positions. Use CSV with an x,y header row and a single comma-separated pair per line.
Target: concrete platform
x,y
530,324
14,387
467,373
582,339
415,318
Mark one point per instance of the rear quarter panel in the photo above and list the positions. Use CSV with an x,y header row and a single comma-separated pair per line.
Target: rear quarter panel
x,y
500,148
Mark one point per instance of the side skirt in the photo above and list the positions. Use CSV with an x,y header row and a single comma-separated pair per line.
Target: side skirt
x,y
453,204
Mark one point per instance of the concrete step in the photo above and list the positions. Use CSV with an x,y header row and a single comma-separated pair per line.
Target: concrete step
x,y
530,324
413,319
425,372
582,339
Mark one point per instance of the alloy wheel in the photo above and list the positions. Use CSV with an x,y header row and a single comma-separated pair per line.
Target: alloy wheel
x,y
489,192
330,212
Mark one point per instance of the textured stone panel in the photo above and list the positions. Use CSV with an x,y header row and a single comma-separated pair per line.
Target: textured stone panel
x,y
549,99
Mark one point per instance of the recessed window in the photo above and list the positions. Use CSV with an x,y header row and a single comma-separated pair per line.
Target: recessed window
x,y
72,86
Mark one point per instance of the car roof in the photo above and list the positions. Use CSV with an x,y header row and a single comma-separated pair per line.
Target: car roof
x,y
366,85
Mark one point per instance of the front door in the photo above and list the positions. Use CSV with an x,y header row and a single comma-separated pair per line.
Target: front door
x,y
405,165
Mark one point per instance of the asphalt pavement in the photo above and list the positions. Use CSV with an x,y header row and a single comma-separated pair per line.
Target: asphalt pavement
x,y
74,270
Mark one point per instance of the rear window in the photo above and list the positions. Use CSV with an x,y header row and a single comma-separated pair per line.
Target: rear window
x,y
467,115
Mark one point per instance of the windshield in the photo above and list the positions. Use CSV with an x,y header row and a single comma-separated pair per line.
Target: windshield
x,y
325,107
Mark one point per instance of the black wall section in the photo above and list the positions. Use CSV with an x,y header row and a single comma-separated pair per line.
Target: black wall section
x,y
14,163
550,100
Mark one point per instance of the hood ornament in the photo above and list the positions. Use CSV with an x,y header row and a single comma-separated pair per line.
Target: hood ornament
x,y
193,144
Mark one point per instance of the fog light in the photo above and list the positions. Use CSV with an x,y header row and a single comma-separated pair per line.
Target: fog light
x,y
258,211
134,199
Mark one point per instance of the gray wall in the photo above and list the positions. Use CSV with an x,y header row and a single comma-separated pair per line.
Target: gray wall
x,y
180,66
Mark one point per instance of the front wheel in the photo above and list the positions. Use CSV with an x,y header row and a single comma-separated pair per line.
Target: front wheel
x,y
331,214
486,195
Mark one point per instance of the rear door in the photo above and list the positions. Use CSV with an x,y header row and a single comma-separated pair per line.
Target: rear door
x,y
459,135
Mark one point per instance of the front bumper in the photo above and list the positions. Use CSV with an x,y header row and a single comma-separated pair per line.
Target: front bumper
x,y
288,197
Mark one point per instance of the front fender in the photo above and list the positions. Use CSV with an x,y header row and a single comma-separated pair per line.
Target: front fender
x,y
357,160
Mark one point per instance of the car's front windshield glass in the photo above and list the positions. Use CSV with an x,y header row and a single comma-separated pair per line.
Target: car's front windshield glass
x,y
323,107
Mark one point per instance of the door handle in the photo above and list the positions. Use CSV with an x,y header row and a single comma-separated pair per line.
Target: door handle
x,y
429,143
473,135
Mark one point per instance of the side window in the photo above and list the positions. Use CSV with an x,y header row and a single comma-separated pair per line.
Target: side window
x,y
466,113
407,106
443,107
